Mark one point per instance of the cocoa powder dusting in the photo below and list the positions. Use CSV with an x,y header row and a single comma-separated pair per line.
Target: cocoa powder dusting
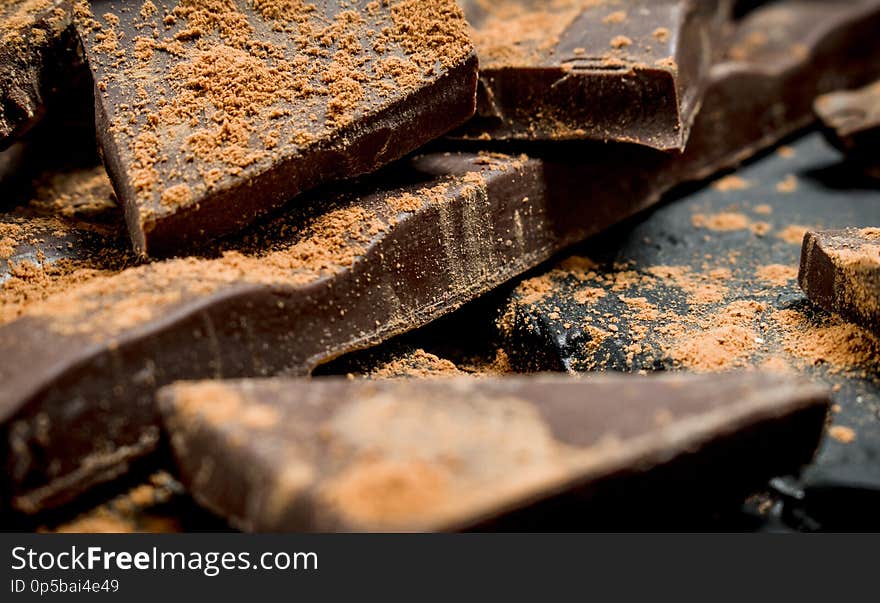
x,y
419,363
291,251
226,88
69,209
511,32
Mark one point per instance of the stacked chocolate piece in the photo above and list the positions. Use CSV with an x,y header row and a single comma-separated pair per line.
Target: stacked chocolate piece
x,y
286,182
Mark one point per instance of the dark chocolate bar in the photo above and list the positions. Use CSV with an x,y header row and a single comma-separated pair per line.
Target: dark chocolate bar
x,y
631,71
840,271
341,455
851,122
37,54
345,270
210,116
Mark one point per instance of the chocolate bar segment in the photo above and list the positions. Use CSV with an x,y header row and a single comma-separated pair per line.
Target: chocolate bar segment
x,y
356,266
840,271
631,71
341,455
851,121
210,115
37,54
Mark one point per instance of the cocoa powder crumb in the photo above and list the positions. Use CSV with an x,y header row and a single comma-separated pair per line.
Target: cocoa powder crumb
x,y
723,222
777,275
731,183
844,435
615,17
419,364
788,185
793,234
621,42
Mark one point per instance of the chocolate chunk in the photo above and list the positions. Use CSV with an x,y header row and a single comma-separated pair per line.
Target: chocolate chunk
x,y
341,455
840,271
851,121
348,269
631,71
211,114
37,55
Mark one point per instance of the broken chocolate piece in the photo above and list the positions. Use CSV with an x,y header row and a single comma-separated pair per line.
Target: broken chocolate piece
x,y
840,271
852,123
210,116
37,57
341,455
345,270
631,71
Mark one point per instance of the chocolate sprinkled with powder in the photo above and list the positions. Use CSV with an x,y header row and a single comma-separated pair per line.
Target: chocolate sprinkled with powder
x,y
37,54
213,112
584,69
70,233
422,455
840,271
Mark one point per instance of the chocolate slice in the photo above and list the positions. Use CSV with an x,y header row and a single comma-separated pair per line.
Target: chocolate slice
x,y
350,268
851,122
209,116
341,455
631,71
840,271
37,55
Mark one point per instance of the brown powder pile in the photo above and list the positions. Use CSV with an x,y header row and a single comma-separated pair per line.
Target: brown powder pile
x,y
419,364
777,275
788,185
725,221
793,234
535,289
67,236
621,42
701,288
84,194
838,345
844,435
724,340
730,183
